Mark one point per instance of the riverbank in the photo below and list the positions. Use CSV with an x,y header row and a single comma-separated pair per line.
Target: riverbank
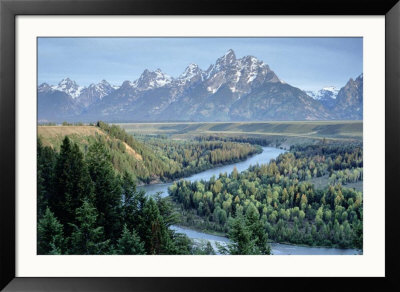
x,y
158,180
221,234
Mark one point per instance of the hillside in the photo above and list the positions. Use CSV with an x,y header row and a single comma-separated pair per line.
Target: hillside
x,y
136,159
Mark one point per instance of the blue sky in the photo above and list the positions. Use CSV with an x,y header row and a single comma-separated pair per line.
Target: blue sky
x,y
307,63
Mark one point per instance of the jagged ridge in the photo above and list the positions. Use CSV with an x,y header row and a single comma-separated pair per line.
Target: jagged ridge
x,y
231,89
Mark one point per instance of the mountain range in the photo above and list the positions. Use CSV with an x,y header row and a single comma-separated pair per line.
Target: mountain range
x,y
231,89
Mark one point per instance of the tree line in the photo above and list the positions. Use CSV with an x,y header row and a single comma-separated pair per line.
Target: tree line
x,y
194,156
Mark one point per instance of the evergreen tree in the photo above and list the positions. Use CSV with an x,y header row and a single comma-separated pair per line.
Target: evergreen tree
x,y
153,230
72,184
50,237
130,243
46,159
256,227
87,237
241,237
107,189
358,235
180,244
132,202
209,250
204,248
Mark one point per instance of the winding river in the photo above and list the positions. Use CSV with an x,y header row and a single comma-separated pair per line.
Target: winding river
x,y
265,156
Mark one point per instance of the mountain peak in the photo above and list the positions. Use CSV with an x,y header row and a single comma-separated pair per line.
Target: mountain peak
x,y
350,98
230,52
67,82
190,71
44,84
152,79
69,87
227,59
105,82
192,66
44,87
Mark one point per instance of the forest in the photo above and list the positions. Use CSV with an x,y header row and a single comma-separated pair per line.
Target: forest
x,y
197,155
282,201
86,207
88,202
87,197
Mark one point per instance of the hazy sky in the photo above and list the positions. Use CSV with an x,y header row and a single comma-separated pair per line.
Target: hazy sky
x,y
307,63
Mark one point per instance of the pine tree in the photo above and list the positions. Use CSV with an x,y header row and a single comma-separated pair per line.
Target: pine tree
x,y
46,159
132,201
72,184
209,249
107,189
205,248
358,235
129,243
258,232
153,230
87,237
50,238
240,234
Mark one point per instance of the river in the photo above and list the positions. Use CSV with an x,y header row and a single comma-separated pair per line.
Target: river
x,y
265,156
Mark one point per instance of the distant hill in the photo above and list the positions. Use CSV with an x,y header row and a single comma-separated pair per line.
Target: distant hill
x,y
232,89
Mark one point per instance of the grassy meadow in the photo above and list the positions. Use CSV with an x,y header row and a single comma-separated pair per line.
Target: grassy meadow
x,y
285,133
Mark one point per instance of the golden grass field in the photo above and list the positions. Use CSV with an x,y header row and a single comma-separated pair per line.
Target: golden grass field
x,y
54,131
53,136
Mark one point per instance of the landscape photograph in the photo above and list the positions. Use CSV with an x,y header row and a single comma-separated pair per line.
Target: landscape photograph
x,y
200,146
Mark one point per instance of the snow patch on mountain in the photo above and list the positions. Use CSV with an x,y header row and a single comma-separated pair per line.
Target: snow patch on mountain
x,y
328,92
151,79
69,87
101,89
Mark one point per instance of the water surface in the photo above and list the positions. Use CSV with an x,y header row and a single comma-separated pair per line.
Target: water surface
x,y
264,157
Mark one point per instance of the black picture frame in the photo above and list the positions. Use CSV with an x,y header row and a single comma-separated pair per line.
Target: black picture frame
x,y
9,9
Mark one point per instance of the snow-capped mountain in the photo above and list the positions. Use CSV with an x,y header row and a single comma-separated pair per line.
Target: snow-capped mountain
x,y
82,95
151,79
69,87
44,87
326,96
100,89
94,93
324,93
192,74
230,89
241,75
